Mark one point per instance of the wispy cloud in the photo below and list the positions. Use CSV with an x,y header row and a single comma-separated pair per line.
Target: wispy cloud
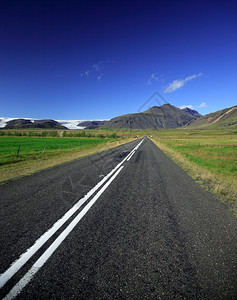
x,y
86,73
96,69
100,76
203,104
154,77
178,83
99,66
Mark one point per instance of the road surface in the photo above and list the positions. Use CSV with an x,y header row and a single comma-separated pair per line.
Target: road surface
x,y
125,224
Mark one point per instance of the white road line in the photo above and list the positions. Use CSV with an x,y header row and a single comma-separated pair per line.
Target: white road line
x,y
24,257
134,150
46,255
130,156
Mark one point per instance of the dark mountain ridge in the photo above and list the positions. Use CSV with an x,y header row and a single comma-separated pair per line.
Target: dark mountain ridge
x,y
165,116
192,112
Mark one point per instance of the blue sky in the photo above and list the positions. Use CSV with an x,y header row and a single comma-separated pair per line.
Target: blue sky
x,y
100,59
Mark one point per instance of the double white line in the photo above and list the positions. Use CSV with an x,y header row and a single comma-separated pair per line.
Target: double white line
x,y
15,267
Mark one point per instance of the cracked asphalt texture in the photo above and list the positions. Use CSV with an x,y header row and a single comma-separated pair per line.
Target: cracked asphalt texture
x,y
153,234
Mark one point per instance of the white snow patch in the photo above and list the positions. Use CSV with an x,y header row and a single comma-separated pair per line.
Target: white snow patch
x,y
71,124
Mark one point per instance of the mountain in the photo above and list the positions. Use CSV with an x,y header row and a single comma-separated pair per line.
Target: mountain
x,y
220,118
192,112
165,116
92,124
26,123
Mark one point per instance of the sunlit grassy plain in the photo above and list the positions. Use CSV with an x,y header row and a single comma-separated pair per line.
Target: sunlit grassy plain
x,y
208,155
34,147
37,152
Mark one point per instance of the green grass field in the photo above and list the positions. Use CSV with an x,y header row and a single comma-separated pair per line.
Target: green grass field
x,y
213,150
33,147
209,156
43,149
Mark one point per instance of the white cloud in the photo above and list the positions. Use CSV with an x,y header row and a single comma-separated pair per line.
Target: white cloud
x,y
178,83
203,104
154,77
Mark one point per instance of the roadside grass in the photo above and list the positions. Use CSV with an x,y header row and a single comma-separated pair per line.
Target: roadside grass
x,y
38,153
32,147
209,156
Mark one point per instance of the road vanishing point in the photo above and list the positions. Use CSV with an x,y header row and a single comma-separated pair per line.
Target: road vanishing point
x,y
127,223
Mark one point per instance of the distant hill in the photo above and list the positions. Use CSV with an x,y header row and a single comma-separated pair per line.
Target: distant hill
x,y
25,123
220,118
165,116
91,124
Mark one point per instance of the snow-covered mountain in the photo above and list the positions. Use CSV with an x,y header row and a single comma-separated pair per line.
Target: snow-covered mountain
x,y
70,124
3,121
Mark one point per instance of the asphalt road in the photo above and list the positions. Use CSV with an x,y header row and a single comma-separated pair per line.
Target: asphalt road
x,y
116,225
